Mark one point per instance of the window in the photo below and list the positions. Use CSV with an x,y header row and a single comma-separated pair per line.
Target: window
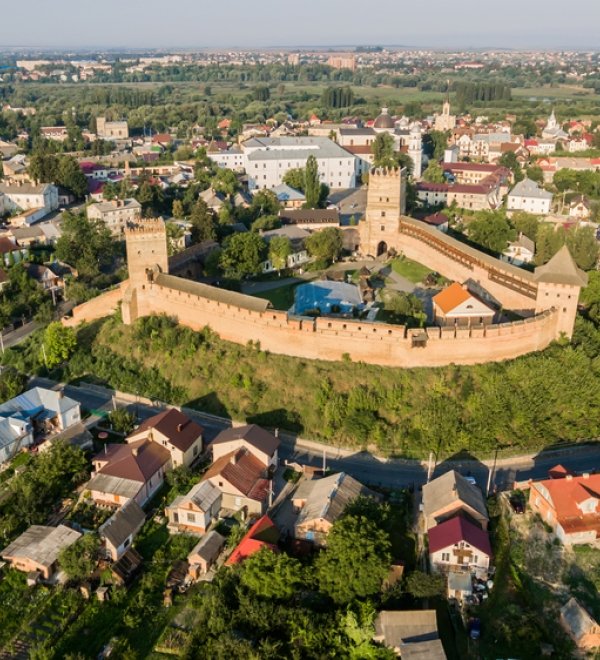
x,y
195,452
191,517
382,227
383,214
445,556
475,559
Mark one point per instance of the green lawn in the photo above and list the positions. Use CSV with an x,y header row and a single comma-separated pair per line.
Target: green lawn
x,y
282,297
411,270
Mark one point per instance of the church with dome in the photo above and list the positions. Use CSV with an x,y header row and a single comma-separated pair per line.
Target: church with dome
x,y
408,137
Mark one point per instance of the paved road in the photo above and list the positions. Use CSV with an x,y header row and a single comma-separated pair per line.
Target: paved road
x,y
13,338
390,473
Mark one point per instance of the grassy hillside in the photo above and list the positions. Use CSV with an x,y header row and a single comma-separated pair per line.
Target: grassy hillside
x,y
528,403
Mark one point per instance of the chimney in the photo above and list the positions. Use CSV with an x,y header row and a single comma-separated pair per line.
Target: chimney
x,y
233,459
135,451
569,477
586,475
179,428
105,448
61,394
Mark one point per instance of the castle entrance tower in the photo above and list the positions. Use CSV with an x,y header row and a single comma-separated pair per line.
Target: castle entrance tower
x,y
146,250
386,202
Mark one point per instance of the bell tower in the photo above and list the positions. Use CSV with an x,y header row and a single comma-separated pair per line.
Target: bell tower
x,y
386,202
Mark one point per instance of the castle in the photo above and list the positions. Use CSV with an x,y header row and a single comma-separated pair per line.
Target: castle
x,y
546,299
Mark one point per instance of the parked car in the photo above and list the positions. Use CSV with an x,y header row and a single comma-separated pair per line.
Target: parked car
x,y
474,628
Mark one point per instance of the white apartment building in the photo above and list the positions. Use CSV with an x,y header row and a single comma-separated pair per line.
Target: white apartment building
x,y
528,196
24,196
266,160
116,214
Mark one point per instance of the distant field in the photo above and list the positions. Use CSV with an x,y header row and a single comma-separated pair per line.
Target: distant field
x,y
562,92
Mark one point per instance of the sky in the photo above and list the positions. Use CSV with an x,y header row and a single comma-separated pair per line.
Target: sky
x,y
463,24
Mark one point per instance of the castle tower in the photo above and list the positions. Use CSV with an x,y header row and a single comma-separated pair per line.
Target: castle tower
x,y
146,250
386,202
415,149
559,283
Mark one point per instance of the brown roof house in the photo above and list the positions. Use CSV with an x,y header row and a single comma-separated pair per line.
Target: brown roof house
x,y
450,494
171,429
203,556
192,513
410,634
37,549
243,481
118,532
128,471
259,442
321,502
581,627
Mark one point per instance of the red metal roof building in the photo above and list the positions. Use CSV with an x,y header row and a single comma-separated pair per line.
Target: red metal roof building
x,y
263,534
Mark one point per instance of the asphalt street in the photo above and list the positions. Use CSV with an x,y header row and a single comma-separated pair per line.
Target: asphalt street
x,y
370,469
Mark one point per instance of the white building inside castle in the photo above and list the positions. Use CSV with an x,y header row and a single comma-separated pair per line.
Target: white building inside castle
x,y
266,160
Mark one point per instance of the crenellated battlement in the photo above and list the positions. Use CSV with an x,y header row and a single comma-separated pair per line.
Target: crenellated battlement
x,y
146,226
388,172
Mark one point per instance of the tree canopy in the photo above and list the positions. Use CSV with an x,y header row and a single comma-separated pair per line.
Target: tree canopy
x,y
272,575
59,344
242,255
326,244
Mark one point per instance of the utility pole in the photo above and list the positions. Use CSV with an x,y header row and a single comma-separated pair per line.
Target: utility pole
x,y
324,461
2,342
429,466
44,354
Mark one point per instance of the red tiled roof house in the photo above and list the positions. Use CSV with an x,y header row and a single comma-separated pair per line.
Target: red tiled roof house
x,y
569,504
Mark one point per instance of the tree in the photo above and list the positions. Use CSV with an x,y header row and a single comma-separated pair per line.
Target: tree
x,y
526,223
584,247
71,176
242,255
383,151
356,560
405,161
59,344
535,173
272,575
225,181
178,209
265,202
295,178
312,183
404,306
203,223
491,230
434,173
85,244
266,222
509,160
150,196
122,420
79,559
12,383
423,585
438,141
280,248
326,245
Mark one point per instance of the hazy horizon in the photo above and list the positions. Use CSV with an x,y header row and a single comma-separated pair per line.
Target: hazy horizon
x,y
146,24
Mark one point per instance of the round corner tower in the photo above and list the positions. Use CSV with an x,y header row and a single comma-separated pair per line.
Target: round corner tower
x,y
386,202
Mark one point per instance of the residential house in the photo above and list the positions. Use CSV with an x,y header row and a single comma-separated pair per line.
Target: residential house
x,y
450,494
118,532
15,169
56,133
204,554
117,214
128,471
289,197
243,481
37,549
259,442
521,251
213,199
23,196
262,534
456,305
311,219
570,505
194,512
529,196
580,626
580,208
37,412
459,545
171,429
438,221
297,238
320,502
10,252
432,194
410,634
